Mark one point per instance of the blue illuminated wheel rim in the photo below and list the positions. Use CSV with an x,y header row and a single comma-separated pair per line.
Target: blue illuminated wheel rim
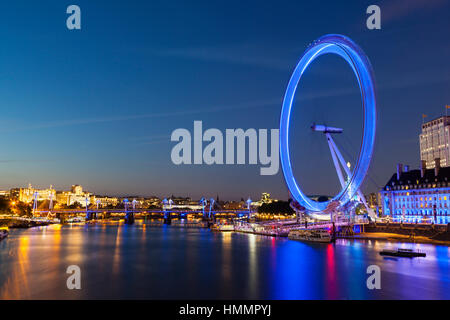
x,y
352,53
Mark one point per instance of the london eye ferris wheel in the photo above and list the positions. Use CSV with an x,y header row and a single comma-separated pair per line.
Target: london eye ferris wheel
x,y
358,61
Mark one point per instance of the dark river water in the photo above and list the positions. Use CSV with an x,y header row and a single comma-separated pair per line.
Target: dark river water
x,y
142,262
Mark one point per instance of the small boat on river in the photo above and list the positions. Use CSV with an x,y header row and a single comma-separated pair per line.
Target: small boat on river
x,y
3,233
222,227
311,235
406,253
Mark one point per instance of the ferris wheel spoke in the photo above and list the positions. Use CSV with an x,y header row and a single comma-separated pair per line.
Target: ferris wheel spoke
x,y
336,164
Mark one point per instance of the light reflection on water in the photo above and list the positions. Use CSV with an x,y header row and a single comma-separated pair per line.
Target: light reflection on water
x,y
142,261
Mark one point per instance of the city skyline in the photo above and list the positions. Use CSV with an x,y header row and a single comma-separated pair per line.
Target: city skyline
x,y
44,192
97,106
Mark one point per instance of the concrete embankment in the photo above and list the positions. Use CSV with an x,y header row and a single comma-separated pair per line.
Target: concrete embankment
x,y
419,233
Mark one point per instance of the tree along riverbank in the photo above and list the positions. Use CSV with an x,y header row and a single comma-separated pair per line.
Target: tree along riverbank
x,y
15,223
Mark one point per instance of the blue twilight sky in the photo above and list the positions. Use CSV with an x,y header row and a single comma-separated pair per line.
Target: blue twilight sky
x,y
97,106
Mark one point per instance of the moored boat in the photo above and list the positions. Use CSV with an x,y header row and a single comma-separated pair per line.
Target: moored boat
x,y
407,253
222,227
4,233
75,220
311,235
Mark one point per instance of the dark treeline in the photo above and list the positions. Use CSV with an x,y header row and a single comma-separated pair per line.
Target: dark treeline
x,y
276,208
14,207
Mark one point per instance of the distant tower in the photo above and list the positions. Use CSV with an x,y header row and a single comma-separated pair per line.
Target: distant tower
x,y
435,142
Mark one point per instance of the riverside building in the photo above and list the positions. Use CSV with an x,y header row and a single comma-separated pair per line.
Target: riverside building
x,y
27,195
421,196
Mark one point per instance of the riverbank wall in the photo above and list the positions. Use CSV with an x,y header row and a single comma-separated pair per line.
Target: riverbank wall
x,y
431,231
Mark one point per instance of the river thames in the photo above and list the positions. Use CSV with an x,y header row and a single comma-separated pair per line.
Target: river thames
x,y
119,261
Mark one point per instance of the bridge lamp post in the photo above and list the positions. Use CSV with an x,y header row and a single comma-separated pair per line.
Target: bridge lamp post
x,y
50,205
211,204
129,216
166,217
165,202
249,201
86,200
35,196
203,203
125,204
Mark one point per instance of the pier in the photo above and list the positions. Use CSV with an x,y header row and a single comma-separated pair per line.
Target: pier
x,y
282,228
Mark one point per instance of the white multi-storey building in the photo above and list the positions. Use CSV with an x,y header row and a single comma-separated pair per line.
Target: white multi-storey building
x,y
76,195
435,142
27,194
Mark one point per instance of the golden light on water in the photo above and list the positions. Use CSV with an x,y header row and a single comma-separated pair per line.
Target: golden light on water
x,y
16,284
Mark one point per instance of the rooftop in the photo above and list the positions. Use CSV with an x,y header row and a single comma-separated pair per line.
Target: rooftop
x,y
414,178
436,121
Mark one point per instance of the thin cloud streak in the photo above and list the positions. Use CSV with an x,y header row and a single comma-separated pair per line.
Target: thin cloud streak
x,y
249,55
25,160
65,123
409,80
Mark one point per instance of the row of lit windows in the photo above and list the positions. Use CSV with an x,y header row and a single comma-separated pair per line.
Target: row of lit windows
x,y
419,193
420,186
416,198
423,212
397,206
